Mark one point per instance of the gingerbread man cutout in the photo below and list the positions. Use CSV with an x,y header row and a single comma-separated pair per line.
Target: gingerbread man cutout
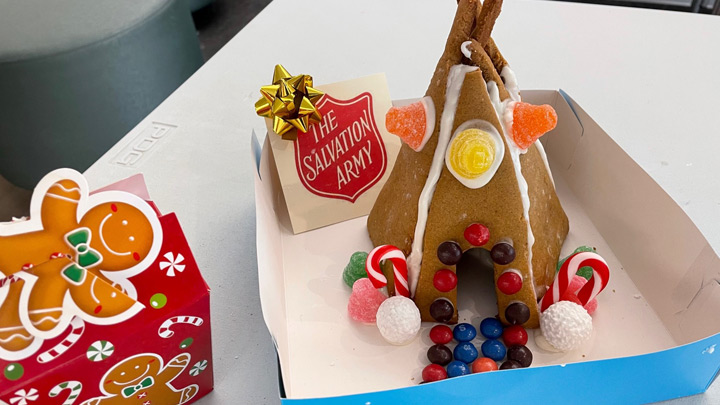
x,y
114,234
110,236
143,378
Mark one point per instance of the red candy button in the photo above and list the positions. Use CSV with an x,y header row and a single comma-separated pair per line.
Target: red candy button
x,y
509,282
477,234
434,372
441,334
484,364
515,335
444,280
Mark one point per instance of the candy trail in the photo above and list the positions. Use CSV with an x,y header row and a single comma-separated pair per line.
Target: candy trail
x,y
600,278
165,331
400,271
77,326
75,388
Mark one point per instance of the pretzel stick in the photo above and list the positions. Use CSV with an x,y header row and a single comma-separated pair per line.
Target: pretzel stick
x,y
489,12
483,61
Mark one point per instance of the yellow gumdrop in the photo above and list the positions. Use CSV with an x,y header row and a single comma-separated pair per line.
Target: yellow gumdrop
x,y
472,152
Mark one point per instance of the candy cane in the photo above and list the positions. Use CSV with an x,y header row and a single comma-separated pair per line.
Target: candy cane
x,y
78,328
396,256
75,388
8,280
165,331
598,281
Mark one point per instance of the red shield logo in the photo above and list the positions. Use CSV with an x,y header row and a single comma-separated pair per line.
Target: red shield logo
x,y
344,155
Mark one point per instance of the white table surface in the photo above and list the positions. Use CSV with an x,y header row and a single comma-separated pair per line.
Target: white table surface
x,y
649,78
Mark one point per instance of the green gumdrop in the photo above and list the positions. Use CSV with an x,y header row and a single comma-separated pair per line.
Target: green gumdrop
x,y
355,270
186,343
586,271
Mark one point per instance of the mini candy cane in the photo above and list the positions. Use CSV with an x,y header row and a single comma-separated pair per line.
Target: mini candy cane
x,y
396,256
8,280
77,326
598,281
165,331
75,388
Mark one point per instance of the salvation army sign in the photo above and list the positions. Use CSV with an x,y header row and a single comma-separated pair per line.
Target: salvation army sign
x,y
344,155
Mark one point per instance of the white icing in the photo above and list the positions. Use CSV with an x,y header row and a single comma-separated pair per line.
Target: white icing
x,y
511,83
465,50
515,152
543,155
455,79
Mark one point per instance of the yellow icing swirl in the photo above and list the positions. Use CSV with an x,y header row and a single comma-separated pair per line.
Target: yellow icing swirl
x,y
472,151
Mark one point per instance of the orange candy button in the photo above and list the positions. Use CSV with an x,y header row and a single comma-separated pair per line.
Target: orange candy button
x,y
530,122
412,123
483,364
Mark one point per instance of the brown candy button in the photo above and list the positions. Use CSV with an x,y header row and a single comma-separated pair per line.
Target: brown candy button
x,y
449,253
442,310
517,313
521,354
439,354
510,364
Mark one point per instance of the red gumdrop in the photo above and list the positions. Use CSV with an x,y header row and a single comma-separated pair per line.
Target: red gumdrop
x,y
364,301
441,334
509,283
530,122
484,364
591,306
477,234
433,372
576,283
515,335
444,280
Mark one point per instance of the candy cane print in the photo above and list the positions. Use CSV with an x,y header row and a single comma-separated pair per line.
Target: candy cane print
x,y
77,326
75,388
165,331
397,258
600,278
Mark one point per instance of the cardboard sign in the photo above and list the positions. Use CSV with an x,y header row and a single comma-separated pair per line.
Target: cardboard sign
x,y
100,300
335,171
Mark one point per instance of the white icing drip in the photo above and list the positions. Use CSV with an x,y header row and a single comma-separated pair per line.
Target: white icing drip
x,y
543,155
511,83
464,49
456,76
515,152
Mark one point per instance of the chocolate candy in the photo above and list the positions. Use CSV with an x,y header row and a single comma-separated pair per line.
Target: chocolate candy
x,y
515,335
510,364
441,334
457,368
439,354
510,282
493,349
449,253
477,234
484,364
433,372
464,332
521,354
442,310
517,313
503,253
465,352
444,280
491,328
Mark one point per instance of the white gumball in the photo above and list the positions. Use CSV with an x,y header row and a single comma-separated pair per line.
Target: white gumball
x,y
566,325
398,320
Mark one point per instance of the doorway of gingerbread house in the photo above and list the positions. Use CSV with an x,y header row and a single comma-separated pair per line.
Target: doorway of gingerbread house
x,y
476,298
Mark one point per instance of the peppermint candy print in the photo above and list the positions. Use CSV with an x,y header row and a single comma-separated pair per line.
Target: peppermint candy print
x,y
22,397
173,264
75,388
100,350
198,368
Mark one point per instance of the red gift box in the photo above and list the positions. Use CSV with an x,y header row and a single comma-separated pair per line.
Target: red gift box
x,y
79,327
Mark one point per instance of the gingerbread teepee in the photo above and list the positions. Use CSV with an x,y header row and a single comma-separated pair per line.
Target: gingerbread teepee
x,y
474,174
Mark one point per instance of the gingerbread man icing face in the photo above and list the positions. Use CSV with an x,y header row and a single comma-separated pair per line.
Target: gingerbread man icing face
x,y
131,372
121,233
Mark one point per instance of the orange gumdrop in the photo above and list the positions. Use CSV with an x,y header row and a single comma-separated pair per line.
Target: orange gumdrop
x,y
410,123
530,122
